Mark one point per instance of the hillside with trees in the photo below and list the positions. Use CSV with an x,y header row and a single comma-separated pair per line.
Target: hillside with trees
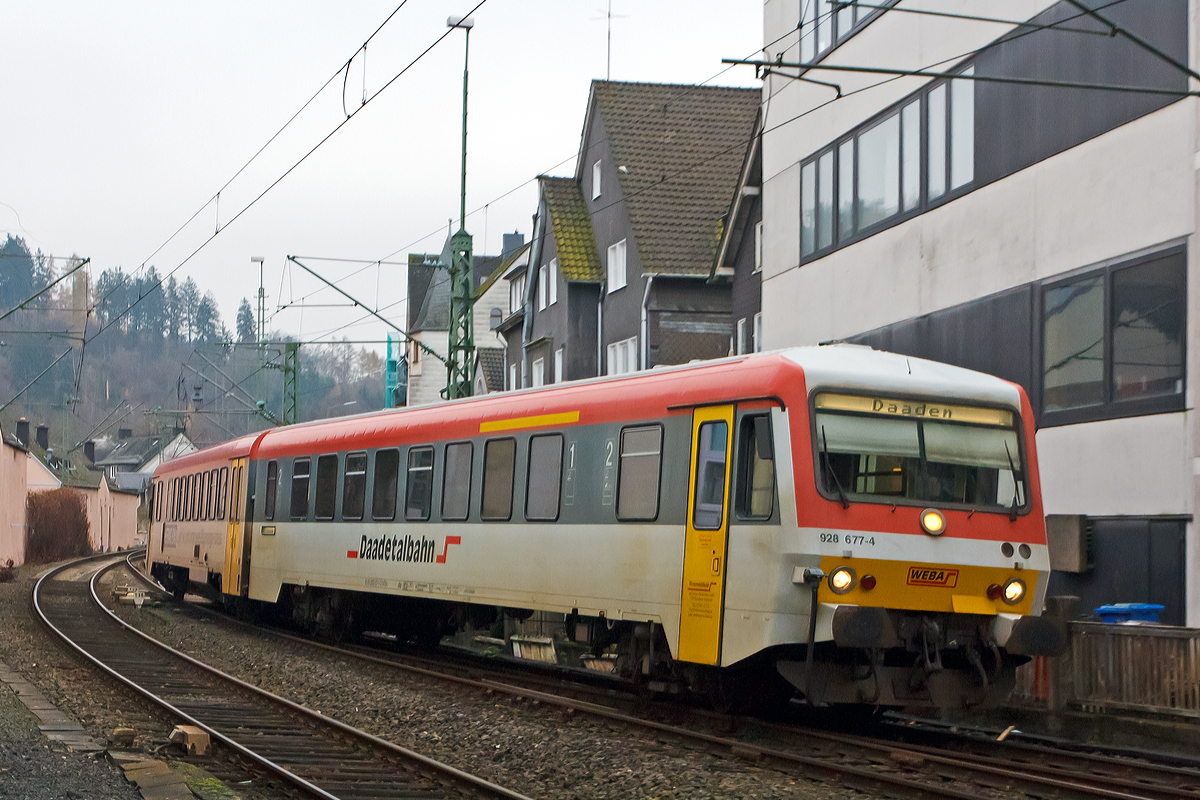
x,y
150,354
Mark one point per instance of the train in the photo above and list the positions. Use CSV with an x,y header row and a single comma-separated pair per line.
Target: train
x,y
830,524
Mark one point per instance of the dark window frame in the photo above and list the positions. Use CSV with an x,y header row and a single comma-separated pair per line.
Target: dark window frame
x,y
409,483
529,475
446,475
224,480
292,496
837,37
318,507
658,494
272,490
1109,408
697,479
346,474
512,480
742,478
923,205
830,493
376,494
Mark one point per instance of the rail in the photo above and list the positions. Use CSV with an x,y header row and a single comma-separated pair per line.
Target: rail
x,y
1150,668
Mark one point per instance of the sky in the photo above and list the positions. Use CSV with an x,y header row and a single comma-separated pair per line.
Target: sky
x,y
122,121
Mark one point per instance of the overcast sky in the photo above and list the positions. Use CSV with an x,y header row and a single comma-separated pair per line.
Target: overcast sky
x,y
118,121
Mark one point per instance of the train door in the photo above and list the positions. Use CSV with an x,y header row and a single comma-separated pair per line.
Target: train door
x,y
232,581
705,539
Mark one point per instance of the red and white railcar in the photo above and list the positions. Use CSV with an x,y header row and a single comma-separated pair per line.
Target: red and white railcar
x,y
688,518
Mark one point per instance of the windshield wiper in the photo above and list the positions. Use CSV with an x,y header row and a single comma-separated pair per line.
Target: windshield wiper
x,y
829,468
1012,511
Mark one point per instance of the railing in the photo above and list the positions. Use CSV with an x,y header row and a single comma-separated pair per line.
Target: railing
x,y
1133,667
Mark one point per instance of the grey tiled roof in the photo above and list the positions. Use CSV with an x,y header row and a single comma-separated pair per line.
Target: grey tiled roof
x,y
491,362
681,147
434,313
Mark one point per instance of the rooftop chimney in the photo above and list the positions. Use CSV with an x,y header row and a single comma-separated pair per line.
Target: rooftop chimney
x,y
124,433
23,431
512,242
89,450
43,436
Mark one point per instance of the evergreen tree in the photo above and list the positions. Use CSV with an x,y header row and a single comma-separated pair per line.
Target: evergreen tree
x,y
189,304
16,272
245,322
207,320
171,310
149,288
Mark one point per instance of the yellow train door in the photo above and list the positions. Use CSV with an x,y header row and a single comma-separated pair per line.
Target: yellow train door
x,y
705,540
232,581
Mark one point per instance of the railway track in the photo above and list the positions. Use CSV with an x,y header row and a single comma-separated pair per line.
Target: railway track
x,y
866,763
321,756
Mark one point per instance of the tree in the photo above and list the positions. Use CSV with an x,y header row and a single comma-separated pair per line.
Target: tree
x,y
171,310
245,322
149,289
17,270
189,304
207,325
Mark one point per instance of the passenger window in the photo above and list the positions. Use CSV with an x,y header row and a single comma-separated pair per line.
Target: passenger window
x,y
272,489
191,498
354,488
158,501
210,490
456,482
327,475
223,487
418,495
545,477
300,470
174,511
499,458
756,468
637,484
387,480
709,510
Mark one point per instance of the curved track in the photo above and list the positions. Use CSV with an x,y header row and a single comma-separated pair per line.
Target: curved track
x,y
323,757
866,763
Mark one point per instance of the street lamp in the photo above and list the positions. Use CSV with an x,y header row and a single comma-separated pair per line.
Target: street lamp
x,y
461,341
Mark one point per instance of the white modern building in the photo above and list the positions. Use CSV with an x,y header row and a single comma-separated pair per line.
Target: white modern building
x,y
1034,217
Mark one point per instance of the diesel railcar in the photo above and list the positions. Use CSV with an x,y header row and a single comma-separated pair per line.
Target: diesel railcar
x,y
842,524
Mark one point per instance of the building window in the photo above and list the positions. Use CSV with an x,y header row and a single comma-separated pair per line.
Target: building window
x,y
595,180
1113,340
874,176
758,244
824,24
512,377
300,469
418,494
456,482
558,365
758,343
740,346
616,266
637,482
386,483
516,294
552,279
623,357
354,486
542,288
545,477
539,372
499,458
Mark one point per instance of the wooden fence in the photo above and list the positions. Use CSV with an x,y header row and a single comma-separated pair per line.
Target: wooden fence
x,y
1133,667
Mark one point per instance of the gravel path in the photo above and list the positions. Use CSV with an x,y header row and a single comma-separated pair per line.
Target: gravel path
x,y
535,751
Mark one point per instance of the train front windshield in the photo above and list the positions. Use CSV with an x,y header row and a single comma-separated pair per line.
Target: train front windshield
x,y
920,452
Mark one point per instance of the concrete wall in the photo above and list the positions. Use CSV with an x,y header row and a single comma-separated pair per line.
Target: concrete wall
x,y
12,503
1130,190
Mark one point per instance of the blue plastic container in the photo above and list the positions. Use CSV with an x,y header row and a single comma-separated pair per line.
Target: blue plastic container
x,y
1129,612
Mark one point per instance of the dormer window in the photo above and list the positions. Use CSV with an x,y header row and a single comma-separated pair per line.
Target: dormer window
x,y
595,180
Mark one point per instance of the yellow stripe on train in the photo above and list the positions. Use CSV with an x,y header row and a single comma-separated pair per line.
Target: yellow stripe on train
x,y
917,586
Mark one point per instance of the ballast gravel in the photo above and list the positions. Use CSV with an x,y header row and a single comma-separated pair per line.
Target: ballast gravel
x,y
537,751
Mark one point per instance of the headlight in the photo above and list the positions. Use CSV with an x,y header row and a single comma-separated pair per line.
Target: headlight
x,y
1014,591
842,580
932,522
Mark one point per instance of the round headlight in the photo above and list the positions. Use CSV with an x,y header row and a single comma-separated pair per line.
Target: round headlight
x,y
842,580
932,522
1014,591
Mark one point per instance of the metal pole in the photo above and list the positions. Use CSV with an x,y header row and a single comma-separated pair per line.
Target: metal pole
x,y
461,334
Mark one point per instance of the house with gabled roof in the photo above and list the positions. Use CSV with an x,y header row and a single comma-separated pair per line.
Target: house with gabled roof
x,y
624,250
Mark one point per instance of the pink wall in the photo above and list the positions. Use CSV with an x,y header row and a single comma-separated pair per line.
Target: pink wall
x,y
12,503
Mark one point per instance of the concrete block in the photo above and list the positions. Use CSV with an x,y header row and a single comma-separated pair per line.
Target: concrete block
x,y
191,739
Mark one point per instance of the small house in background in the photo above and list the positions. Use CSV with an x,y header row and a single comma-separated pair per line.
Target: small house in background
x,y
738,263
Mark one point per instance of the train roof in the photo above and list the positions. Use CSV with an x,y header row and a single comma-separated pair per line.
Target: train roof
x,y
767,377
